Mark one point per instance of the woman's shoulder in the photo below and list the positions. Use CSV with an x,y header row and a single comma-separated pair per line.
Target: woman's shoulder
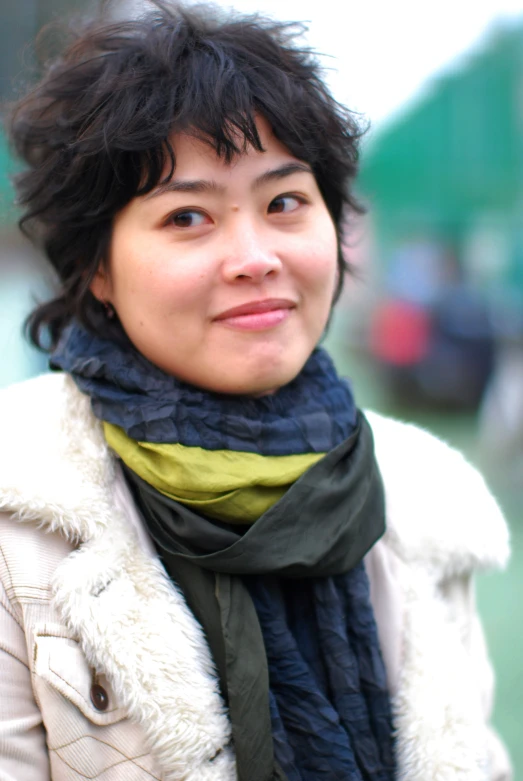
x,y
440,511
47,398
46,409
54,461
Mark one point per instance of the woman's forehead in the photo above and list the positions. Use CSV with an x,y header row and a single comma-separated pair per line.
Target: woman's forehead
x,y
196,157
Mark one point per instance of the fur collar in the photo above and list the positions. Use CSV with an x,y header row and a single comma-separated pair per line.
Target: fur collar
x,y
441,521
440,511
49,433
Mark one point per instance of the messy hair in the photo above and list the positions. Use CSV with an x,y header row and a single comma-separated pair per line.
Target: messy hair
x,y
94,132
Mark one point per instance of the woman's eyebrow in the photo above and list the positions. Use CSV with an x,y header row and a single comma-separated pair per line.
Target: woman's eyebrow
x,y
280,173
185,186
208,185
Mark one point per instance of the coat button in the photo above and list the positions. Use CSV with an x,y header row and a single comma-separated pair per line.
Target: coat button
x,y
99,697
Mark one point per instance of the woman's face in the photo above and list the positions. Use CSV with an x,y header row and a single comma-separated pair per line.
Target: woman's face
x,y
224,277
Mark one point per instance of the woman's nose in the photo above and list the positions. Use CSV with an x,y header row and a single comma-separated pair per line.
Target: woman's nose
x,y
248,257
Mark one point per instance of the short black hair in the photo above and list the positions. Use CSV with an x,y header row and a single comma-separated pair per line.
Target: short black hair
x,y
94,132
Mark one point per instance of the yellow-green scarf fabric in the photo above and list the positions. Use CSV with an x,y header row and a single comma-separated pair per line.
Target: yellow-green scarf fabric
x,y
227,485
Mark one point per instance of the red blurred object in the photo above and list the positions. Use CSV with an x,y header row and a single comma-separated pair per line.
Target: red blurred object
x,y
400,333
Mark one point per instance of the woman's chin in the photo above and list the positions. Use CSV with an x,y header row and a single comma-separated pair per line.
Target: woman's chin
x,y
256,382
247,370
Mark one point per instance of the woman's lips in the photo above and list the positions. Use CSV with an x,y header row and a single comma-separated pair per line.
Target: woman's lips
x,y
257,315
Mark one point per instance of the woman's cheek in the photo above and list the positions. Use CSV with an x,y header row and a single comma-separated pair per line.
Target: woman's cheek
x,y
323,265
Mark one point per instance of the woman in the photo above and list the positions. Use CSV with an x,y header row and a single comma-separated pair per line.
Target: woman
x,y
196,582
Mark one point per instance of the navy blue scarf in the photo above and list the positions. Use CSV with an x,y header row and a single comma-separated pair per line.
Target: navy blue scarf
x,y
284,603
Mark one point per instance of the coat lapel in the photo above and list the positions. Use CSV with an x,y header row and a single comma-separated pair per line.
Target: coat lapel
x,y
135,627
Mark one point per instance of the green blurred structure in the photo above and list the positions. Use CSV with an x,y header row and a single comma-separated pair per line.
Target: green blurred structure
x,y
7,167
448,172
21,21
450,169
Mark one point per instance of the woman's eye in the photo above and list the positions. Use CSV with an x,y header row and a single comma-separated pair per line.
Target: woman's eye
x,y
284,204
190,218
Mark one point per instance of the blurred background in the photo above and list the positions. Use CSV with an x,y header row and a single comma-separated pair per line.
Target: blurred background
x,y
430,327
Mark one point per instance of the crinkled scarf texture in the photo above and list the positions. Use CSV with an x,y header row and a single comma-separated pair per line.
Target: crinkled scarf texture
x,y
283,597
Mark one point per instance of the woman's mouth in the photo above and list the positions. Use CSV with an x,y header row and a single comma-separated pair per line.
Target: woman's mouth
x,y
257,315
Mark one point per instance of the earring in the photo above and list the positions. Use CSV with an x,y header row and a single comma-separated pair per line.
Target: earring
x,y
110,311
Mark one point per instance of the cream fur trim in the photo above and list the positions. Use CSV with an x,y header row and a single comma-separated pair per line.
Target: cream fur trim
x,y
438,715
137,629
439,509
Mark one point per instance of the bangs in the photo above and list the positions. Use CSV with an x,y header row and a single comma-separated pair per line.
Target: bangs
x,y
212,90
228,138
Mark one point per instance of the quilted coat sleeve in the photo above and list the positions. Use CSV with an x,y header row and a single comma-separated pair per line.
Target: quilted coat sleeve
x,y
23,751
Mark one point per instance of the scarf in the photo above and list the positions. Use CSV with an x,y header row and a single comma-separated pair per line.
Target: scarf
x,y
268,556
230,486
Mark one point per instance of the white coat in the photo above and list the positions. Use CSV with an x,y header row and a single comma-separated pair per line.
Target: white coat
x,y
85,603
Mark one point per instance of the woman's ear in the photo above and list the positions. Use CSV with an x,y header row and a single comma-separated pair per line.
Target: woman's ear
x,y
100,286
